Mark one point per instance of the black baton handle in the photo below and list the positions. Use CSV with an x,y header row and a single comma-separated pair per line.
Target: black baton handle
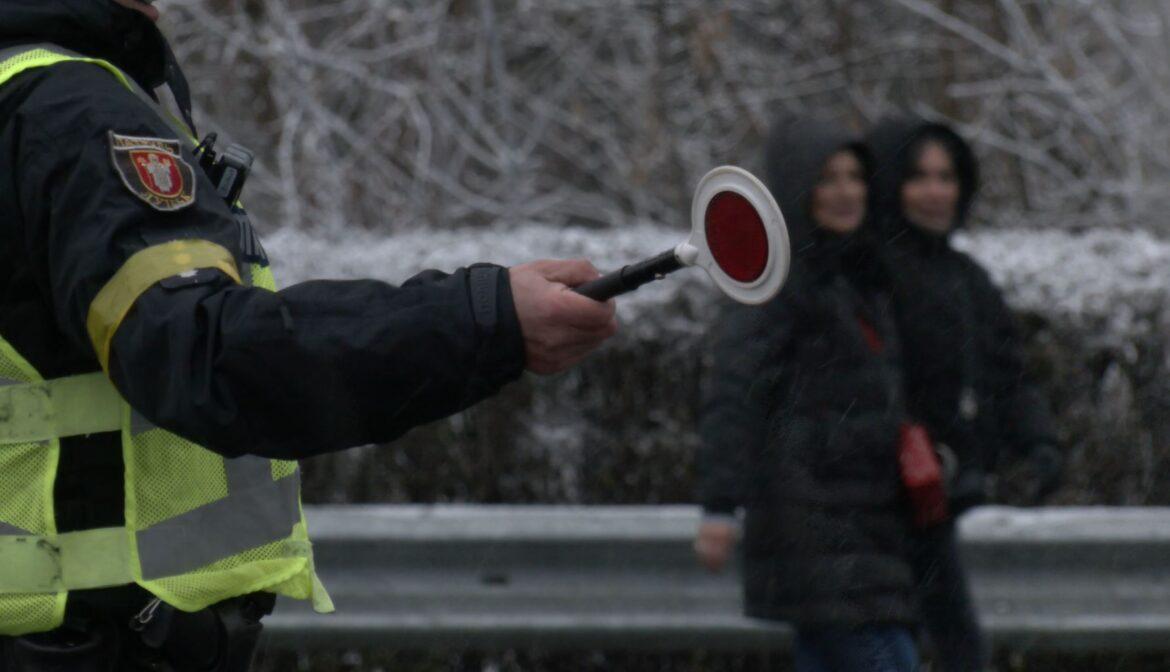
x,y
630,277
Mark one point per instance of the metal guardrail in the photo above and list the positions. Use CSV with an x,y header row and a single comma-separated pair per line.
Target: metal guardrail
x,y
620,578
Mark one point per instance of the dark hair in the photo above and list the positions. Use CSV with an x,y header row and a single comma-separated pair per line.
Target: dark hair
x,y
932,135
863,156
962,160
861,151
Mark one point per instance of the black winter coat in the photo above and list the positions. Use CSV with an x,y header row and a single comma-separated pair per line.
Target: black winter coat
x,y
317,367
801,418
962,357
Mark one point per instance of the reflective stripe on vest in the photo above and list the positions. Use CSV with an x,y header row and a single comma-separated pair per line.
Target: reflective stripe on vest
x,y
257,511
11,530
45,410
72,561
222,528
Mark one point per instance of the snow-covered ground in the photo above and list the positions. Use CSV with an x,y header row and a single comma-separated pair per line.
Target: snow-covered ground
x,y
1109,278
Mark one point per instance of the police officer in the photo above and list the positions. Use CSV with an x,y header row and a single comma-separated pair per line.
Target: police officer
x,y
156,390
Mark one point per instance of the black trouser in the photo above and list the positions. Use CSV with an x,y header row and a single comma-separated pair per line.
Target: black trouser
x,y
948,612
127,631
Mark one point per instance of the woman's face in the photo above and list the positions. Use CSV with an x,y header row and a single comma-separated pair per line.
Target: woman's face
x,y
930,198
838,200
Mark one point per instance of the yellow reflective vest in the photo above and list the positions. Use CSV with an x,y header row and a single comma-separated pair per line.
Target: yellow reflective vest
x,y
199,528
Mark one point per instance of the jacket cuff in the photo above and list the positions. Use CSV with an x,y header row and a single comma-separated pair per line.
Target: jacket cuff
x,y
500,353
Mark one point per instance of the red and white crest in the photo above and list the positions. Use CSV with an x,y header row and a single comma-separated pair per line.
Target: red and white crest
x,y
154,171
158,172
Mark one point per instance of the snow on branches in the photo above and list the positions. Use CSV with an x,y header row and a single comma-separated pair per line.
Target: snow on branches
x,y
400,115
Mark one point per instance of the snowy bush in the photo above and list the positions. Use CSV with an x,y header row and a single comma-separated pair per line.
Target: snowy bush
x,y
621,428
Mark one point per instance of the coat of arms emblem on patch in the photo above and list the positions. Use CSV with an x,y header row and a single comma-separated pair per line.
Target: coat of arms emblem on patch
x,y
154,171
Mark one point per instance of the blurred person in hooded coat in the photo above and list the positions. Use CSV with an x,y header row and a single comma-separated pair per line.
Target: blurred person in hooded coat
x,y
800,423
962,359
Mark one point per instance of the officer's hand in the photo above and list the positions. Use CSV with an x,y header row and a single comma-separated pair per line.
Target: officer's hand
x,y
560,326
715,543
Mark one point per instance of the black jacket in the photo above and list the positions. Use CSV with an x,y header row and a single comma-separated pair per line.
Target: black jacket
x,y
963,358
317,367
801,418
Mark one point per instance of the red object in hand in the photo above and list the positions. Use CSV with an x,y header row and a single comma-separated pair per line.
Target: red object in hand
x,y
737,237
922,476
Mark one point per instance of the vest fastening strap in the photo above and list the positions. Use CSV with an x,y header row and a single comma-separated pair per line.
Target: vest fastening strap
x,y
94,416
70,561
51,409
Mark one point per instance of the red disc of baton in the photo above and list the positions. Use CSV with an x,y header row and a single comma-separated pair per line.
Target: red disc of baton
x,y
736,236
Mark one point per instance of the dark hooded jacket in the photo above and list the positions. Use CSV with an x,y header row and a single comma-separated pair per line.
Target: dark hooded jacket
x,y
801,416
317,367
962,355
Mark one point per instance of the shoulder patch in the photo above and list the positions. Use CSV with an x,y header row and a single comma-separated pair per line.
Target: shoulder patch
x,y
154,170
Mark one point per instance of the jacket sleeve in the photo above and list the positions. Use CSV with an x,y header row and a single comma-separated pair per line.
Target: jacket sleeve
x,y
317,367
733,416
1021,410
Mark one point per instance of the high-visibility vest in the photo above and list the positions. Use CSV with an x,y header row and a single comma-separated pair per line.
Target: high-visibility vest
x,y
199,528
